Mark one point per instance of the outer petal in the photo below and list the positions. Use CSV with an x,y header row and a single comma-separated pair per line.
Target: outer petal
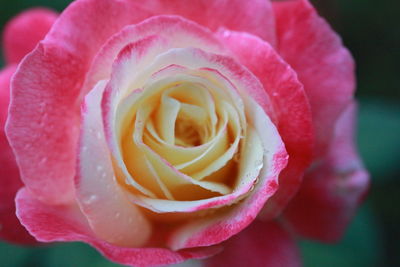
x,y
10,183
48,83
24,31
291,109
177,30
254,16
66,223
324,66
332,189
43,122
261,244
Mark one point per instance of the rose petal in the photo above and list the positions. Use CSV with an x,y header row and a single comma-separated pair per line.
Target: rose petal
x,y
332,189
177,31
66,223
261,244
44,133
111,216
290,107
253,16
10,228
323,64
23,32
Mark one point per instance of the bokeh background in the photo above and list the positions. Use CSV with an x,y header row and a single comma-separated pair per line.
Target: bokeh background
x,y
371,30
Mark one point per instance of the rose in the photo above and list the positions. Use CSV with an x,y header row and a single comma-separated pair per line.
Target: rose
x,y
90,124
21,35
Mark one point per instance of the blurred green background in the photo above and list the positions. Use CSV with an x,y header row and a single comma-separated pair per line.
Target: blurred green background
x,y
371,30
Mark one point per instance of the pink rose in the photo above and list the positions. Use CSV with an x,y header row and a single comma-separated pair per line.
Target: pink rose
x,y
157,130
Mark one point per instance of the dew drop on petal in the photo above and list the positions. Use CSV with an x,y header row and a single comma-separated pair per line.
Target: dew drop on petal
x,y
91,199
43,160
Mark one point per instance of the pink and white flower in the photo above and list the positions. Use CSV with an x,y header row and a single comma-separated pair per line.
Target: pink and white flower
x,y
157,130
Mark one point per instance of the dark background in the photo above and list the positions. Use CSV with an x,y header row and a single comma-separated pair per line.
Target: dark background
x,y
371,30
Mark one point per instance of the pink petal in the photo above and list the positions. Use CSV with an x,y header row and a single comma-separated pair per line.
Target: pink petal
x,y
290,109
253,16
66,223
323,64
47,85
261,244
10,228
43,122
24,31
332,189
178,31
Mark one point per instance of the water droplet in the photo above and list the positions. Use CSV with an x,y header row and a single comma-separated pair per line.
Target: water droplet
x,y
99,168
43,160
98,134
117,215
226,33
90,199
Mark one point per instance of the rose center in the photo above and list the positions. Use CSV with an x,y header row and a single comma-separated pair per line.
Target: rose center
x,y
184,137
187,133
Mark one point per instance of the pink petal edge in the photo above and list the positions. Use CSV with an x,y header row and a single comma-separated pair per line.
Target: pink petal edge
x,y
253,16
324,66
332,189
66,223
290,105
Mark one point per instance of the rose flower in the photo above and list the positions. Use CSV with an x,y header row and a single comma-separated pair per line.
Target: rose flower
x,y
158,130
